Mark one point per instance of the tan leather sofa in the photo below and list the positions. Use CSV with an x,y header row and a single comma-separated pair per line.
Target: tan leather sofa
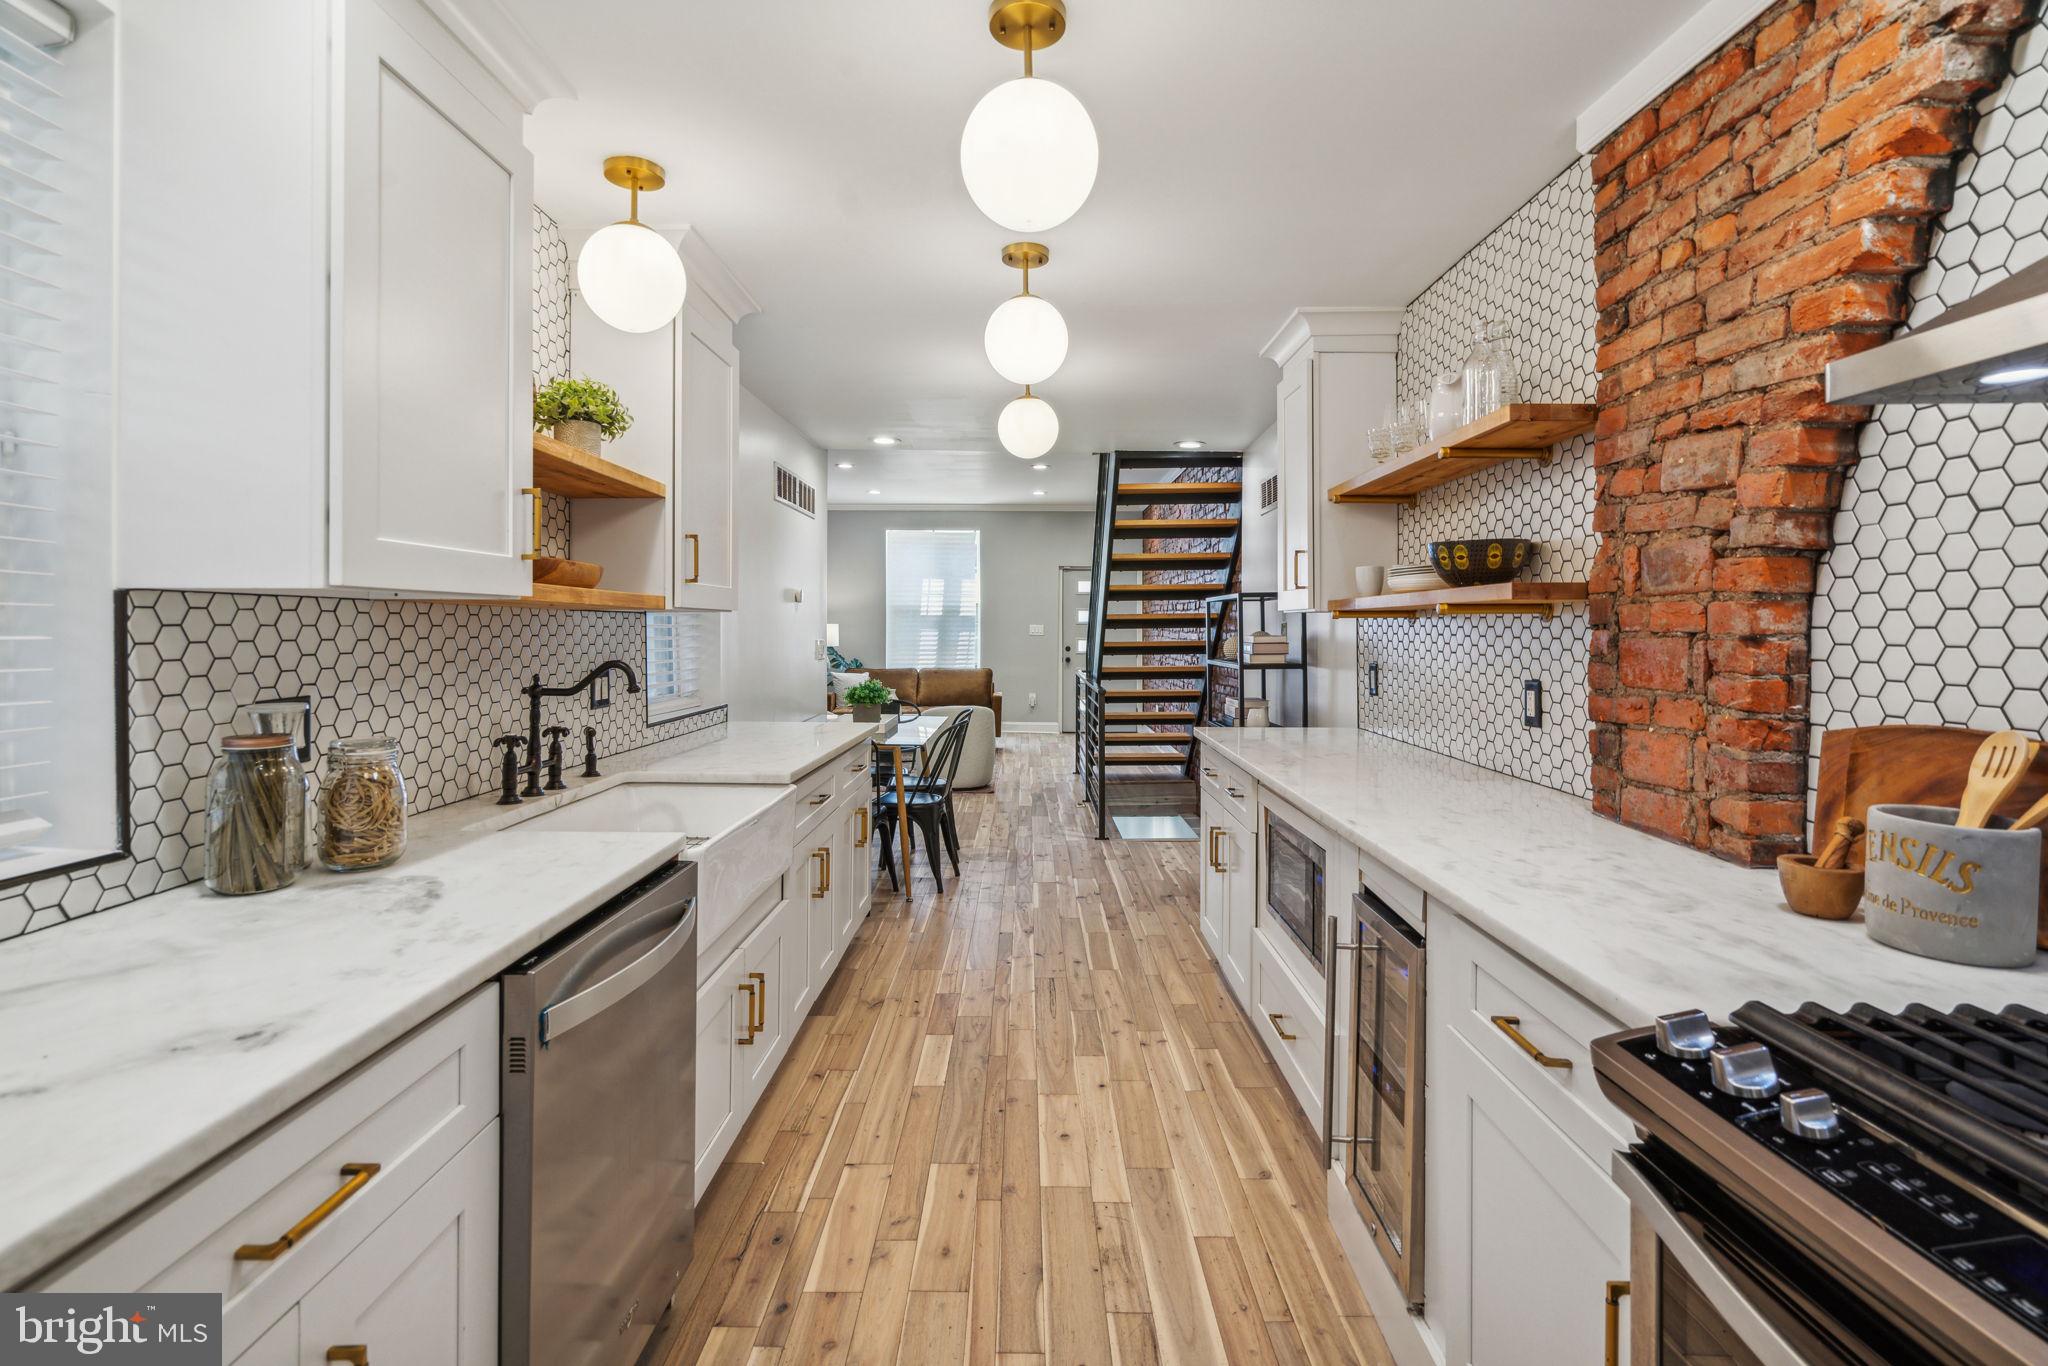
x,y
929,688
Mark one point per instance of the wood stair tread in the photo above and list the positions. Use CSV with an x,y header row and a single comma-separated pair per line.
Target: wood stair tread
x,y
1173,760
1151,718
1180,491
1155,645
1167,526
1149,694
1153,670
1165,591
1131,621
1146,737
1166,559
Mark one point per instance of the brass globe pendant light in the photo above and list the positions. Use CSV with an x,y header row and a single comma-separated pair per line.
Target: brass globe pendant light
x,y
1028,153
629,274
1026,338
1027,426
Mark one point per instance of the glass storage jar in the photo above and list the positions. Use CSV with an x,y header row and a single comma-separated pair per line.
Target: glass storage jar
x,y
286,717
1492,379
252,792
362,805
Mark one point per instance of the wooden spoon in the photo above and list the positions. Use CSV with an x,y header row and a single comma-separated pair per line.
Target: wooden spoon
x,y
2000,762
2033,816
1835,853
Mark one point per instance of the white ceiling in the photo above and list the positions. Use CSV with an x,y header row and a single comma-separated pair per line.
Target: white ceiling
x,y
1254,158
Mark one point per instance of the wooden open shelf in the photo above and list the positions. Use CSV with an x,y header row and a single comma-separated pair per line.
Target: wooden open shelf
x,y
1478,600
560,468
1520,431
576,599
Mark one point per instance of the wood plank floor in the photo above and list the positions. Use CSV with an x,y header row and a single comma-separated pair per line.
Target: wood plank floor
x,y
1025,1123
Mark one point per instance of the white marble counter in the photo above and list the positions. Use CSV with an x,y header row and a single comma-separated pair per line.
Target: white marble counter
x,y
141,1043
1635,924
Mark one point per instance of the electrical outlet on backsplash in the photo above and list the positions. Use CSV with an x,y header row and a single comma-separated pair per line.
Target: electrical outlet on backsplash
x,y
1455,684
440,678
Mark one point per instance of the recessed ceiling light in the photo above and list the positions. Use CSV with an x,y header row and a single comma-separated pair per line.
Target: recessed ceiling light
x,y
1041,467
846,464
883,440
874,493
2023,374
1038,493
1191,445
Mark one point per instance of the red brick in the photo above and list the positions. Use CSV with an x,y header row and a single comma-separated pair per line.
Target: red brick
x,y
1679,713
1789,153
1675,254
1983,17
1624,143
1744,333
1807,355
1683,320
1740,411
1659,758
1898,191
1748,95
1773,775
1616,288
1786,488
1702,85
1729,298
1673,143
1660,663
1797,105
1782,32
1757,657
1653,299
1848,303
1675,616
1867,57
1664,514
1764,573
1914,131
1757,733
1723,187
1717,233
1781,529
1661,813
1946,71
1760,817
1767,696
1610,707
1667,397
1757,616
1678,566
1701,460
1802,186
1659,227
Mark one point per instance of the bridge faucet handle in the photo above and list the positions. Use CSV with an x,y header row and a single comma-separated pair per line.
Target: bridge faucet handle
x,y
508,776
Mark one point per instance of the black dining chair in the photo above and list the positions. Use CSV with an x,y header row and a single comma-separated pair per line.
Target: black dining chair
x,y
928,796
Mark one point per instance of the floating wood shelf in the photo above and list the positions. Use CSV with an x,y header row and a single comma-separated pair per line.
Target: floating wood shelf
x,y
1520,431
1479,600
577,599
560,468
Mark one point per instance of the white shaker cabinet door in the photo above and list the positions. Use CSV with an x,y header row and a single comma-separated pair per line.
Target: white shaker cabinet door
x,y
1237,855
422,1290
433,300
1296,436
707,446
279,1345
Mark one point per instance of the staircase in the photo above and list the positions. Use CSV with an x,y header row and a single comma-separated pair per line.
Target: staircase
x,y
1145,683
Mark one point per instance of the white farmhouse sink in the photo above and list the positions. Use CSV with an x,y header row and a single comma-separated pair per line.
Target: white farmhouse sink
x,y
739,835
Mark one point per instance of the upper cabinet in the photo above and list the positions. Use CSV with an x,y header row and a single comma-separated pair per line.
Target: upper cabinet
x,y
326,308
1336,380
707,449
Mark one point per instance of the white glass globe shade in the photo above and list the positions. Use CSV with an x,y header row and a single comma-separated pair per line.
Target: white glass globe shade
x,y
1028,154
1028,427
631,277
1026,339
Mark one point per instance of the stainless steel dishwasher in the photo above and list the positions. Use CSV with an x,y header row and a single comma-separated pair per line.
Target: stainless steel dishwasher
x,y
599,1090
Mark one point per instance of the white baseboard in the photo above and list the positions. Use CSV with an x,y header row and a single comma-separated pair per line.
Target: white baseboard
x,y
1031,728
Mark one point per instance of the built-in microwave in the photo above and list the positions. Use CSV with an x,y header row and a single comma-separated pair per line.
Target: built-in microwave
x,y
1294,865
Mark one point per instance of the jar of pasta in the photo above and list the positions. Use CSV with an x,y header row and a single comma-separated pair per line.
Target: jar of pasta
x,y
362,805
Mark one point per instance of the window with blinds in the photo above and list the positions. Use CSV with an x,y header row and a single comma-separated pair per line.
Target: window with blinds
x,y
682,664
59,789
933,599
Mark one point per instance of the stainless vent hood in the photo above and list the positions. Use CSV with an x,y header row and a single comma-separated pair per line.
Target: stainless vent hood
x,y
1992,348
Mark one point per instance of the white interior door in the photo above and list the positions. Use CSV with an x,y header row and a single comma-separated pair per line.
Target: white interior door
x,y
1073,628
433,324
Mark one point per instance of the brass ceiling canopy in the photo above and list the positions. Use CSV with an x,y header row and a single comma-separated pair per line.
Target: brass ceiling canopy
x,y
1027,25
1026,255
634,173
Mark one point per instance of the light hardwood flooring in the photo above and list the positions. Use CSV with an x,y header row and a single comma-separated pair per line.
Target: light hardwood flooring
x,y
1025,1123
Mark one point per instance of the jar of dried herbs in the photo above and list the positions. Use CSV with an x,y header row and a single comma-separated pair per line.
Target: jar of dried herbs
x,y
362,805
252,815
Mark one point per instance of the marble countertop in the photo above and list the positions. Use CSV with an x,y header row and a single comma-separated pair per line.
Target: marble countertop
x,y
1635,924
144,1041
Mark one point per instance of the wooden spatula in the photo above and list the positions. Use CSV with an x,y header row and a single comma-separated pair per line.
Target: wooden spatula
x,y
2033,816
2001,761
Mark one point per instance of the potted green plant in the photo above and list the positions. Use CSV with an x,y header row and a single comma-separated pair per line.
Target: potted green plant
x,y
866,699
582,412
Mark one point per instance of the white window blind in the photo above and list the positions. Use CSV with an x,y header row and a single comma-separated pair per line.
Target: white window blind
x,y
59,800
682,663
934,599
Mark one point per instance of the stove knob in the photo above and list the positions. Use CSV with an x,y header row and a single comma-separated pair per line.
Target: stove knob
x,y
1685,1034
1808,1113
1744,1069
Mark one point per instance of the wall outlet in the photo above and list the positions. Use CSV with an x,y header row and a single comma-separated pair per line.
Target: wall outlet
x,y
1372,679
817,649
1031,701
1532,702
1037,630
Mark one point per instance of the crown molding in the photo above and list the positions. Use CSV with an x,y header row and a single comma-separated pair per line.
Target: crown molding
x,y
709,272
506,50
1335,329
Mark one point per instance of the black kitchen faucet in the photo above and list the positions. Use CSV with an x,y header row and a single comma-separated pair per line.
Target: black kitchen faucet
x,y
598,682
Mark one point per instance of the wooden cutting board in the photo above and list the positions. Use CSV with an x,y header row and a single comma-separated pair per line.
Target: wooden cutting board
x,y
1865,766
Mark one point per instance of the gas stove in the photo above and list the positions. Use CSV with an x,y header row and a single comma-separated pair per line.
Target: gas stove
x,y
1873,1184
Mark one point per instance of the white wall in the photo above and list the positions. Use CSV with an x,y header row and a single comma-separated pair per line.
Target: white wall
x,y
1021,555
771,643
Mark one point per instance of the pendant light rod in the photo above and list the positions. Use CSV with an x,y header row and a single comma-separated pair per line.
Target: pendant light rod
x,y
1027,25
1026,256
634,174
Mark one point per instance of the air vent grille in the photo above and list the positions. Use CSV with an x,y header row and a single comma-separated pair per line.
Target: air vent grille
x,y
793,492
515,1055
1269,493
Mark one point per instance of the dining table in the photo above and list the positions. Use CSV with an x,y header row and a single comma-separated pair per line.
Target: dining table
x,y
906,741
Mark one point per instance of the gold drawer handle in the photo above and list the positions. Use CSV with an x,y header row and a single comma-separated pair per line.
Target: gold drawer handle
x,y
821,799
828,868
1299,555
696,556
822,857
1284,1035
757,1018
862,842
355,1175
1215,859
753,1001
1615,1290
1506,1024
534,553
357,1355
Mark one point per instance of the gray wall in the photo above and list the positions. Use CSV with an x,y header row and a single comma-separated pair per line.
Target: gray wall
x,y
1021,555
772,643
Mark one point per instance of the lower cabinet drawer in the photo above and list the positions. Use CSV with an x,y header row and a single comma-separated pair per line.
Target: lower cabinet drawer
x,y
1288,1018
854,769
814,794
1533,1029
251,1226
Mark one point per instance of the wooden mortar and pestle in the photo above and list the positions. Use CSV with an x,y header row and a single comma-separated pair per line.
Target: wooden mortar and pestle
x,y
1821,885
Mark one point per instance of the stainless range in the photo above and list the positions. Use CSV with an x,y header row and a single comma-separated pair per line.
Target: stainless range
x,y
1832,1187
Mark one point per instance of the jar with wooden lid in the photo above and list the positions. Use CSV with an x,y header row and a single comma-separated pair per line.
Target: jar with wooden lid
x,y
362,805
254,793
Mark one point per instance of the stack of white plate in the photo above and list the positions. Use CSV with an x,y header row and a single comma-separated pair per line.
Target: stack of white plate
x,y
1412,578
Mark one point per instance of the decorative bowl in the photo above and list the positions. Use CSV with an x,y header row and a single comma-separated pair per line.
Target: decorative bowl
x,y
1487,560
1823,893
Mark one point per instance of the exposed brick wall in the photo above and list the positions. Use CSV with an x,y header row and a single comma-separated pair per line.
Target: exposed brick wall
x,y
1223,682
1759,220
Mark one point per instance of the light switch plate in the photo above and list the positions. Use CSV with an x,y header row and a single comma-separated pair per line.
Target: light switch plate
x,y
1036,629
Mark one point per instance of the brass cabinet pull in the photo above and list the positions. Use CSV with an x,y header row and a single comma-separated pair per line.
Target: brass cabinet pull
x,y
1297,568
1276,1019
1506,1024
696,556
862,842
534,553
1615,1290
822,858
1215,859
1208,773
821,799
356,1355
355,1176
752,1001
828,868
757,1007
1235,793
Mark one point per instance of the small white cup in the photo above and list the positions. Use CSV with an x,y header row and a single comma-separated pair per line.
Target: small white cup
x,y
1371,579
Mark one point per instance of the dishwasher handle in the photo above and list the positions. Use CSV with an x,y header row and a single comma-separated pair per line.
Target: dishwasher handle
x,y
563,1016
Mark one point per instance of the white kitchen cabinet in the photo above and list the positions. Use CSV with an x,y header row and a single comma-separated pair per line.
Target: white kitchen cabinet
x,y
723,1017
707,450
853,868
278,1346
773,960
1528,1230
1229,890
354,248
1336,379
422,1290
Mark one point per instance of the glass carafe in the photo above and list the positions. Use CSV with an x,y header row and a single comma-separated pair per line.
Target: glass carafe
x,y
1492,379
